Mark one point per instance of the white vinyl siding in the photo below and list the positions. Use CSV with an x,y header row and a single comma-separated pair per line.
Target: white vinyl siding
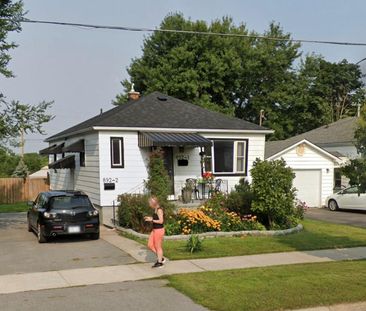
x,y
85,178
129,179
312,159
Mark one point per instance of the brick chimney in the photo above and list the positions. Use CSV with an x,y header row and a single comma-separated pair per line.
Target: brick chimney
x,y
133,95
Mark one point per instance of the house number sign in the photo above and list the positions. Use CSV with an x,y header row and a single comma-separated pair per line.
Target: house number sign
x,y
108,180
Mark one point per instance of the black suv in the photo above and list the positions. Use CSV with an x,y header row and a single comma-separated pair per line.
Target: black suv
x,y
62,212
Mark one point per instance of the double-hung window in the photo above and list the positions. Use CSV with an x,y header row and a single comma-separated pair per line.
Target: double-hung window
x,y
117,159
227,157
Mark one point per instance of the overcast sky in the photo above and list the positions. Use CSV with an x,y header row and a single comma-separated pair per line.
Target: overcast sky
x,y
81,69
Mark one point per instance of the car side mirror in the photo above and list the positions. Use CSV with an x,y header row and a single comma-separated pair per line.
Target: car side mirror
x,y
30,203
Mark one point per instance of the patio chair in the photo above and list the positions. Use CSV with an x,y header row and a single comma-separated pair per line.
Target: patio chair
x,y
217,187
193,183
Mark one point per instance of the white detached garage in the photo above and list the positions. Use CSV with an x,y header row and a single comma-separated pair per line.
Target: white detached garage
x,y
312,165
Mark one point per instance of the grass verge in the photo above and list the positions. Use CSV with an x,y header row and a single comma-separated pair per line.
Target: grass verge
x,y
316,235
276,288
14,208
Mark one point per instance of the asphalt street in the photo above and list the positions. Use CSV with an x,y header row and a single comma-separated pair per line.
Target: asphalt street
x,y
344,217
130,296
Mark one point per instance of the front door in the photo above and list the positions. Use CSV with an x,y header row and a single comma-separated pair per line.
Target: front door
x,y
169,166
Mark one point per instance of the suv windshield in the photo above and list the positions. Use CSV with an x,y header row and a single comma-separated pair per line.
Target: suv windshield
x,y
69,202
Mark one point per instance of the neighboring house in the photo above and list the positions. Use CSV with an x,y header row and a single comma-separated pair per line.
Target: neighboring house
x,y
42,173
316,157
108,155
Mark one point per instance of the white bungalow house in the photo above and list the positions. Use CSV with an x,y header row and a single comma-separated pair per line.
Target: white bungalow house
x,y
315,157
108,155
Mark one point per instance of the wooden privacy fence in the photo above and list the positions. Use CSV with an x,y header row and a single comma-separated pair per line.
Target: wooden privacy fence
x,y
14,190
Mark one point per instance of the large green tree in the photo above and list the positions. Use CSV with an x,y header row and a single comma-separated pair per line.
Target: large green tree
x,y
220,73
322,92
242,76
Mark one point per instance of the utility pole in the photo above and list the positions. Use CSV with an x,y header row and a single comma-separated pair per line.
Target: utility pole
x,y
22,143
261,117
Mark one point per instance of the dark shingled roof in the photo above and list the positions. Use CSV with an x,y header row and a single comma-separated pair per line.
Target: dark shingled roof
x,y
158,110
338,133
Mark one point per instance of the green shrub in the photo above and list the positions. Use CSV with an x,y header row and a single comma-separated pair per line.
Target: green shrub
x,y
194,244
273,192
134,207
131,211
240,200
158,182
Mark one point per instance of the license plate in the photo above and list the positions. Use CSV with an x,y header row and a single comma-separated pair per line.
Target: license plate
x,y
73,229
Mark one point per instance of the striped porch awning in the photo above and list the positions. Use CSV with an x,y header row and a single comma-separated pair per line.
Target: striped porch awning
x,y
162,139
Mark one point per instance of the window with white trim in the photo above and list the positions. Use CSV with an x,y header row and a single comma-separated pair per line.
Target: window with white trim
x,y
227,157
117,158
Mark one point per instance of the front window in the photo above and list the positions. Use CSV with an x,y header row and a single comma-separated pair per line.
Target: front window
x,y
117,160
223,156
226,157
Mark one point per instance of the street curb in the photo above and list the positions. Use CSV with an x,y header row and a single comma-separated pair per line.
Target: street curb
x,y
214,234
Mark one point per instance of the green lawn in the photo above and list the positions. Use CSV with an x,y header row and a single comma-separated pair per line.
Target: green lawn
x,y
14,208
276,288
316,235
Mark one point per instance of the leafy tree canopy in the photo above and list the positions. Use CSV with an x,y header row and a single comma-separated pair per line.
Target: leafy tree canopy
x,y
241,76
10,16
17,117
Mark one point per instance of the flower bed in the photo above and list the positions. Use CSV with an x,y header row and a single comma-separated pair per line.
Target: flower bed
x,y
220,215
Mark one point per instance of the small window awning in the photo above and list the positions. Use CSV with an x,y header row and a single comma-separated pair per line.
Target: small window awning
x,y
162,139
54,149
66,162
77,146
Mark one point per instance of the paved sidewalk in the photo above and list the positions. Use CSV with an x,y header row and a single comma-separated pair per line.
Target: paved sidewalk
x,y
109,274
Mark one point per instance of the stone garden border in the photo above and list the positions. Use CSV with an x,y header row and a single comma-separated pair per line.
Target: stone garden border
x,y
214,234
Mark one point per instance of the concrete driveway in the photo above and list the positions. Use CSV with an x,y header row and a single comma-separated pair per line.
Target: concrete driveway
x,y
20,252
344,217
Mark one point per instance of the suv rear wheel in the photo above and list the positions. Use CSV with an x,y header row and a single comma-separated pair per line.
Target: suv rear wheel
x,y
29,225
40,235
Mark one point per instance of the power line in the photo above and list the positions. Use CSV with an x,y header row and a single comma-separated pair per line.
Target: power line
x,y
137,29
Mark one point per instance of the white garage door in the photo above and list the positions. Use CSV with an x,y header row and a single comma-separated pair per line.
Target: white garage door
x,y
308,184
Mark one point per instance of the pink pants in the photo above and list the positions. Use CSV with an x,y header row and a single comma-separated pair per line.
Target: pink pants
x,y
156,240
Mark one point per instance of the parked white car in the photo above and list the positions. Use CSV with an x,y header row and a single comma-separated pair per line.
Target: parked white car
x,y
347,199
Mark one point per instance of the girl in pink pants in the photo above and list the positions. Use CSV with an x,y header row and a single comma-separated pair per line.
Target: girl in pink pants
x,y
157,234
